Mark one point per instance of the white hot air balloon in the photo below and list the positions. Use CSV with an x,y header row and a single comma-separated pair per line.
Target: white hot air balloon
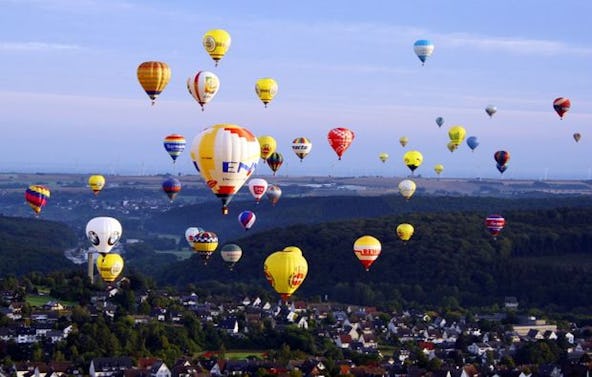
x,y
103,233
257,187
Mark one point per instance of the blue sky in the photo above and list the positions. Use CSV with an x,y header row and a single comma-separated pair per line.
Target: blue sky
x,y
71,101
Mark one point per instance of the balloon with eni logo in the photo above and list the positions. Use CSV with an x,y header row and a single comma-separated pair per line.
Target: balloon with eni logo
x,y
266,89
216,42
367,249
225,156
285,270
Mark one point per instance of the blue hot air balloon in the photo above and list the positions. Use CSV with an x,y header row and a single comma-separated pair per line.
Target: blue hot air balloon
x,y
423,49
439,121
246,219
472,142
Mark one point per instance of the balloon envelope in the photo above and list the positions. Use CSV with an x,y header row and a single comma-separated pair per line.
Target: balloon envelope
x,y
413,159
367,249
301,147
247,219
472,142
171,186
225,155
403,140
274,192
495,223
439,121
205,244
286,270
490,110
266,89
154,77
110,266
257,187
103,233
174,144
423,49
203,86
340,139
577,136
561,105
439,168
405,231
275,161
216,42
268,146
501,157
457,134
231,253
407,188
36,196
191,234
383,156
96,183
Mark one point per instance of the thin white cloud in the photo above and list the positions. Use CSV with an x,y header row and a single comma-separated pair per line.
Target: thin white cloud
x,y
73,6
36,47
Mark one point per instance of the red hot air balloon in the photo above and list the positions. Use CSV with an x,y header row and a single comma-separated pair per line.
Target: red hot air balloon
x,y
171,186
340,139
495,224
502,158
561,106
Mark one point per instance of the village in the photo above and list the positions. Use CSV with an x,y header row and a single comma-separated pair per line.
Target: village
x,y
406,343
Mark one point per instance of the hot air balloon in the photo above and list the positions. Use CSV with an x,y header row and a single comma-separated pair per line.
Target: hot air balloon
x,y
171,186
383,157
231,253
266,88
36,196
340,139
257,187
216,42
457,134
405,231
285,270
225,155
203,86
191,234
96,183
561,105
205,244
407,188
577,136
472,142
490,110
174,144
439,168
275,161
439,121
301,147
110,266
452,146
367,249
154,77
502,158
495,223
403,140
412,160
247,219
268,146
274,192
103,233
423,49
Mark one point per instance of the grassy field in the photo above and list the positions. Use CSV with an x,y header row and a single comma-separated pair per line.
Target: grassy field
x,y
40,300
179,254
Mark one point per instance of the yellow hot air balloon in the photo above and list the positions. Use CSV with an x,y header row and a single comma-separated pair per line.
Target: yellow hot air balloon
x,y
412,160
205,244
403,140
154,77
439,168
452,146
109,266
383,156
216,42
405,231
266,88
225,155
285,270
367,249
457,134
407,188
96,183
268,146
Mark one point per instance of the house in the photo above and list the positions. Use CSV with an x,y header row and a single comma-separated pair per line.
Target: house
x,y
53,305
511,303
479,349
109,366
229,325
343,341
159,369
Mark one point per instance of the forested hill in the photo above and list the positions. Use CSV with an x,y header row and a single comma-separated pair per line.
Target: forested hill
x,y
543,257
316,210
28,245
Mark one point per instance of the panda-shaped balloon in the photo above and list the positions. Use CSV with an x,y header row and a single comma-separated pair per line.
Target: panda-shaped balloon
x,y
103,233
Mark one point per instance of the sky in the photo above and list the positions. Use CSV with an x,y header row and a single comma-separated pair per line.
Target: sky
x,y
71,102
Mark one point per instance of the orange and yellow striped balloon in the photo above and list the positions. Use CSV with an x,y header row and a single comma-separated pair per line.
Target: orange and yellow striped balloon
x,y
154,77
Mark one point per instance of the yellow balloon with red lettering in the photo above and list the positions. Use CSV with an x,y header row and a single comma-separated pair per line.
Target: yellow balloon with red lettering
x,y
225,155
367,250
285,270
